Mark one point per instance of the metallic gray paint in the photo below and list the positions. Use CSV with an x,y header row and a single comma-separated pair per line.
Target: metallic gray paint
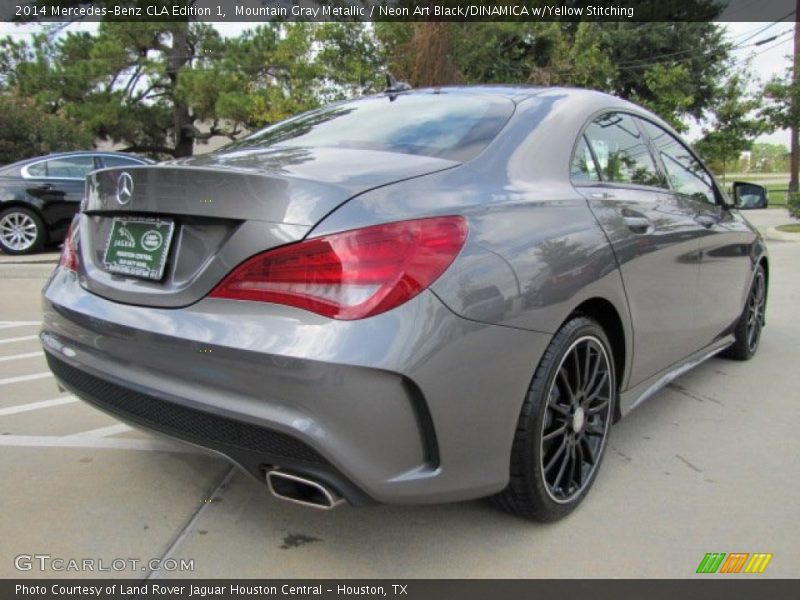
x,y
418,404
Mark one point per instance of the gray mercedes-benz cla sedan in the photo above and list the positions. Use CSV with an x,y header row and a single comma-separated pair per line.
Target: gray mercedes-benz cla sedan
x,y
420,296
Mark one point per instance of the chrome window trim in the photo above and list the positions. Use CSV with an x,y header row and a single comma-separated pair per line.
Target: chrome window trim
x,y
26,175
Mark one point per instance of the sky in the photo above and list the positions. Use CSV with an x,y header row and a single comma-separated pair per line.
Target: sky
x,y
765,60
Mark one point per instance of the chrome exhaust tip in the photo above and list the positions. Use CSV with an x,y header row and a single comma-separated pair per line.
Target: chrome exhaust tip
x,y
301,490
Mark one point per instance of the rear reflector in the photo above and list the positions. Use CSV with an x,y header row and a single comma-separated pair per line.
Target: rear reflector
x,y
69,251
354,274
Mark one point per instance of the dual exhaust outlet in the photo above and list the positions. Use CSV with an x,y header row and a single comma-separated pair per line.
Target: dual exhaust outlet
x,y
302,490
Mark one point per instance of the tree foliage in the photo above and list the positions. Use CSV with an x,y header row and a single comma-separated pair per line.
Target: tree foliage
x,y
783,112
769,158
162,87
28,131
672,68
783,101
736,122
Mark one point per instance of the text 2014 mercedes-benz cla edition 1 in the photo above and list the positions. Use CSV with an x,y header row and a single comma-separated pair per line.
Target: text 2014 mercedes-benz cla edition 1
x,y
420,296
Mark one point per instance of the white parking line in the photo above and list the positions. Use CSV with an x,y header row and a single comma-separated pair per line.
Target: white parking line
x,y
21,408
24,338
21,378
20,356
53,441
103,431
8,324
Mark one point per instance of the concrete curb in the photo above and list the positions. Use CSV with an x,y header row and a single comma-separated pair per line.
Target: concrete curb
x,y
784,236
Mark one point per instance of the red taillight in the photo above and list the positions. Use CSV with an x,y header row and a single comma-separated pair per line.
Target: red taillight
x,y
351,275
69,251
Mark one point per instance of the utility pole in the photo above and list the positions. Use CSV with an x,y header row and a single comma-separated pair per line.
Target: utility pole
x,y
794,159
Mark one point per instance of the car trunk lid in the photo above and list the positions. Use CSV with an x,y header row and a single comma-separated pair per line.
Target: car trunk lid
x,y
220,209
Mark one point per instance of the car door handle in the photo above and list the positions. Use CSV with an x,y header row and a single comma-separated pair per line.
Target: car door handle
x,y
637,224
706,221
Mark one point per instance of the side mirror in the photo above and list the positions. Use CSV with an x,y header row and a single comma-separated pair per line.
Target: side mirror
x,y
749,195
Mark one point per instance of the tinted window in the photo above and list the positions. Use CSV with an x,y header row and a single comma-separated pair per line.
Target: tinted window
x,y
452,126
621,151
583,165
75,167
119,161
38,170
685,174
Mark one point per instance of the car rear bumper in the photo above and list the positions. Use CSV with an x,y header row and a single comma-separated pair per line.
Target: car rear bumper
x,y
415,405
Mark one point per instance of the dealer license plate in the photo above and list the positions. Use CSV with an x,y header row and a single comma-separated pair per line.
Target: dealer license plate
x,y
138,247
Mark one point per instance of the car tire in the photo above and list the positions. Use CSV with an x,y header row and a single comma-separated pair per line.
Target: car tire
x,y
21,231
747,332
554,416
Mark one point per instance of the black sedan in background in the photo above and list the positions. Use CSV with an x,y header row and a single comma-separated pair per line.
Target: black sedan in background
x,y
39,196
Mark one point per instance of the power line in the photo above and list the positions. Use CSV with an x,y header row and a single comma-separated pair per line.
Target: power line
x,y
763,29
654,60
781,43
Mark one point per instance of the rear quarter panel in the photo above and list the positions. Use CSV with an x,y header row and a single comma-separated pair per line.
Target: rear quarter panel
x,y
535,251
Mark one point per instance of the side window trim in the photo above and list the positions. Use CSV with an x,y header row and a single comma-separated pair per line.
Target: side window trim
x,y
596,162
654,153
576,145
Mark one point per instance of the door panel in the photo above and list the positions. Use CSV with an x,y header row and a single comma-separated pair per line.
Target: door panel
x,y
60,198
655,239
724,242
654,235
725,269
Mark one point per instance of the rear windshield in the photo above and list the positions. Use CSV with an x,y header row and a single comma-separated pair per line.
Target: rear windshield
x,y
451,126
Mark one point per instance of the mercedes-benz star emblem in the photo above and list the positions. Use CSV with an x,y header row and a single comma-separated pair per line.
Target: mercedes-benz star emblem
x,y
124,188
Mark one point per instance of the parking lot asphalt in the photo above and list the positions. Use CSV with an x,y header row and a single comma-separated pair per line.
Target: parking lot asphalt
x,y
707,465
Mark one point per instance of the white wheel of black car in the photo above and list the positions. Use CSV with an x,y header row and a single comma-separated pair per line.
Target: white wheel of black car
x,y
21,231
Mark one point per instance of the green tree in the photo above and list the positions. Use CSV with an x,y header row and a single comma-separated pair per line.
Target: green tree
x,y
28,131
735,123
671,67
122,83
769,158
783,112
162,87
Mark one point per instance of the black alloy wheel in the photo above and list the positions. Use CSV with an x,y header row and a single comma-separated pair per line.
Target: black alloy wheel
x,y
747,332
563,425
577,417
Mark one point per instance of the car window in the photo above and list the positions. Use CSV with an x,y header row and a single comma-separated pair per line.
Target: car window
x,y
451,126
583,168
621,150
37,170
119,161
72,167
684,172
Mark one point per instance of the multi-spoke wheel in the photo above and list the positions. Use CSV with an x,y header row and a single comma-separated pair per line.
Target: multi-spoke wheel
x,y
576,419
562,430
21,231
747,333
